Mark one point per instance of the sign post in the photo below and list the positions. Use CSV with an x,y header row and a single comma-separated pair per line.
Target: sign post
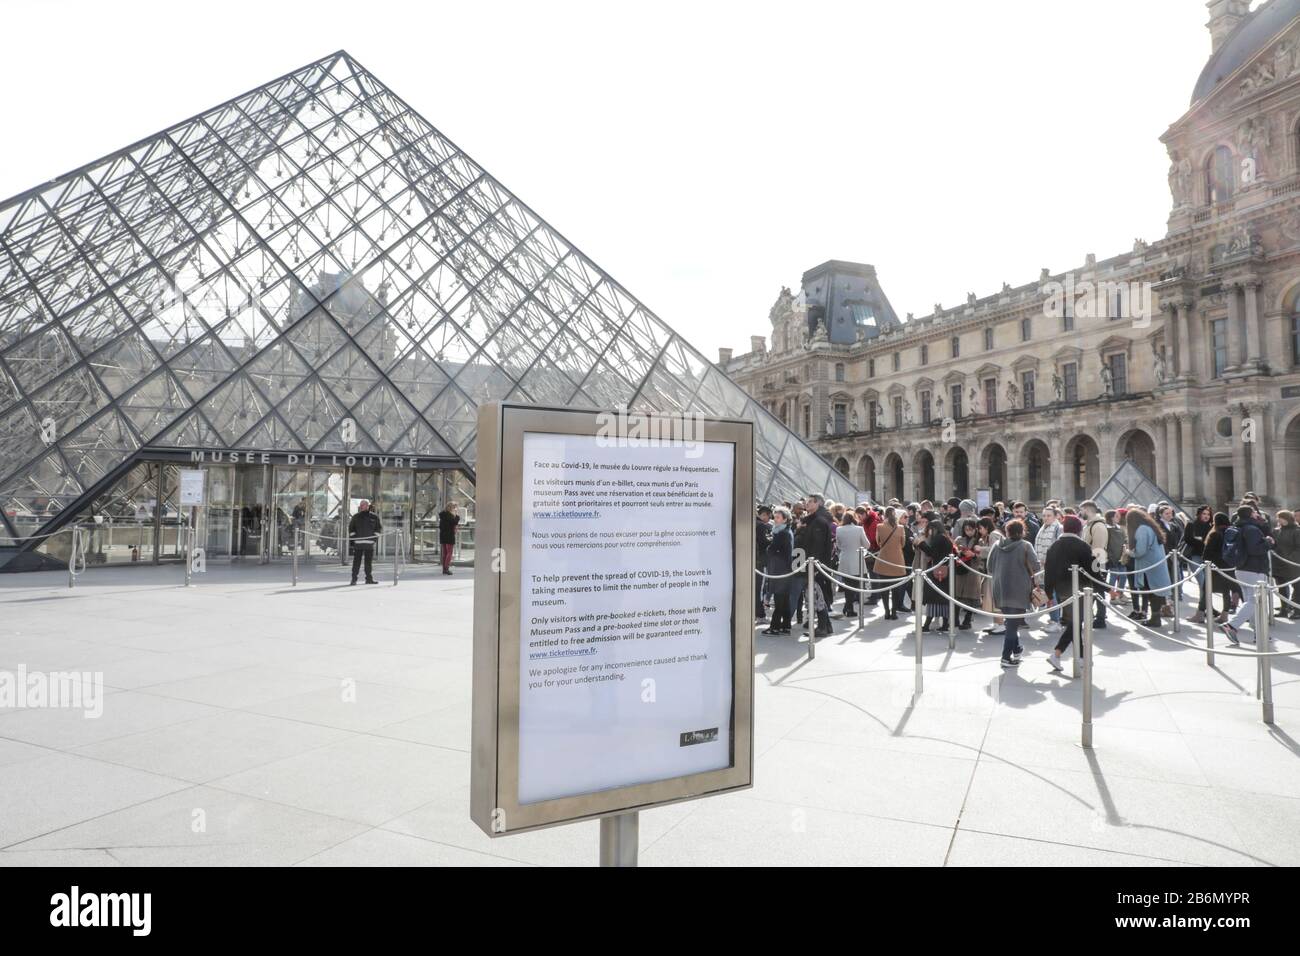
x,y
192,496
613,617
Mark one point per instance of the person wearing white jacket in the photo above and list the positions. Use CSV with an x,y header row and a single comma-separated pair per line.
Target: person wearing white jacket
x,y
1046,537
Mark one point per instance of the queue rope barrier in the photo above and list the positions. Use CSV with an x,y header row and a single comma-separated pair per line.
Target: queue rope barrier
x,y
1198,647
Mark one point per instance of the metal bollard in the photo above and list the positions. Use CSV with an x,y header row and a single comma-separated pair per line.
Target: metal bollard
x,y
952,601
810,615
1087,668
1263,601
1177,597
1075,624
189,555
397,557
1208,588
862,583
918,607
297,543
72,555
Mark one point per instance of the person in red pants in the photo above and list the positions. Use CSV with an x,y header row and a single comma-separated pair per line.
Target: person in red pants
x,y
448,521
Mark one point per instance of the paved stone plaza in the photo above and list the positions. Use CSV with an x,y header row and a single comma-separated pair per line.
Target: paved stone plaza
x,y
225,739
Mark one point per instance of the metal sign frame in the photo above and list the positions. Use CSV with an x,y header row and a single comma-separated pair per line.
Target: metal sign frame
x,y
498,596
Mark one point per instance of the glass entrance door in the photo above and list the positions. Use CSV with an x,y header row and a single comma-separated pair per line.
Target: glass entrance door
x,y
219,512
325,514
250,507
289,506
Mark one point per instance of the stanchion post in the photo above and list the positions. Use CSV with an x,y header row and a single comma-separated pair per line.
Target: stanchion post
x,y
1076,626
189,553
72,556
918,608
952,601
810,616
1087,667
1208,591
397,556
297,544
1177,596
1264,601
862,583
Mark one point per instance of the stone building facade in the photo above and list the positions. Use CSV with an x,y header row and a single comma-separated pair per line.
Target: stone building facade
x,y
1182,354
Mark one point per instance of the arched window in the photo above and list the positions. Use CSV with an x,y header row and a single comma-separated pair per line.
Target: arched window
x,y
1219,178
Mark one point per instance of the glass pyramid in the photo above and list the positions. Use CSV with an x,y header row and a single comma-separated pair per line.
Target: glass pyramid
x,y
312,265
1129,483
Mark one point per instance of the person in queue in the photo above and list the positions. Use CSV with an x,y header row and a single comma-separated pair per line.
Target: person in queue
x,y
967,586
1193,546
363,535
1146,541
779,560
1286,570
819,543
890,563
1069,551
1246,545
1097,536
1043,541
762,538
1012,567
933,547
849,537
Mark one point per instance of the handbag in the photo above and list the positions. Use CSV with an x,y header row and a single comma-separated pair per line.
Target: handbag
x,y
1037,597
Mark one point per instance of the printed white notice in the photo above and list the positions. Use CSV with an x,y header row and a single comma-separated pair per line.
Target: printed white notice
x,y
625,666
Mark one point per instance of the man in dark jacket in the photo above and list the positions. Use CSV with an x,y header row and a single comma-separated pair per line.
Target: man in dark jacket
x,y
1251,544
448,522
1068,551
363,534
762,538
819,543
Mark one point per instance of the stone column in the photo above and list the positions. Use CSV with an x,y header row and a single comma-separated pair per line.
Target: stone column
x,y
1160,458
1177,336
1238,336
1239,485
1254,333
1106,449
1056,481
1173,473
1199,342
1187,422
1259,451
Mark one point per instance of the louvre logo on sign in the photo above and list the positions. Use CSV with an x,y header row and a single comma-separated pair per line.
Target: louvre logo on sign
x,y
692,737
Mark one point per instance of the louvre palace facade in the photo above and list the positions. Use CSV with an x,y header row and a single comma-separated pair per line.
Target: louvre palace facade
x,y
1181,354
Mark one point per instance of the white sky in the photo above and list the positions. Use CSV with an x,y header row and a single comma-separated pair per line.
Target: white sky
x,y
703,153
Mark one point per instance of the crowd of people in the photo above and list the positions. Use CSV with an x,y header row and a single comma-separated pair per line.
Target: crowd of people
x,y
1011,562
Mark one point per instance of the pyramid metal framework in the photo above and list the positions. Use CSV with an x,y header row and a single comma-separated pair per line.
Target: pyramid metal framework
x,y
312,265
1129,483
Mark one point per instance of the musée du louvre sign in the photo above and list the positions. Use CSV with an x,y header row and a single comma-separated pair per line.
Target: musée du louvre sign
x,y
233,456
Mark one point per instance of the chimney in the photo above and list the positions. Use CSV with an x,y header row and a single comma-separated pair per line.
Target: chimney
x,y
758,343
724,356
1224,17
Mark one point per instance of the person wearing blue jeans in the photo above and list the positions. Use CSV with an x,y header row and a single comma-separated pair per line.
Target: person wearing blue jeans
x,y
1011,649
